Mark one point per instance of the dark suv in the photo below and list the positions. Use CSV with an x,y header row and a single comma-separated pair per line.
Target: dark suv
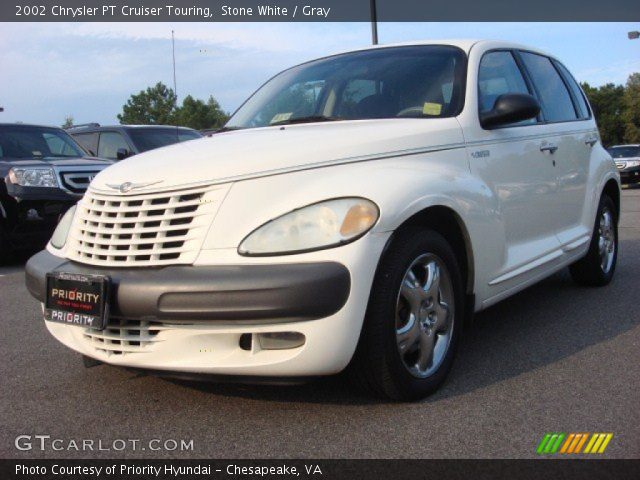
x,y
121,141
43,172
627,159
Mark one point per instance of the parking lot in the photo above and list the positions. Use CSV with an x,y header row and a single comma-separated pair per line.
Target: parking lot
x,y
554,358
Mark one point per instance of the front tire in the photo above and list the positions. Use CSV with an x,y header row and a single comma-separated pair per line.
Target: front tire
x,y
413,320
596,269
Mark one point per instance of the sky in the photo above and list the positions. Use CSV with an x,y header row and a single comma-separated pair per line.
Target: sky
x,y
88,70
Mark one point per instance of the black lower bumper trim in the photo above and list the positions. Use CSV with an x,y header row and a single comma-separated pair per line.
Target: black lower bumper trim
x,y
246,294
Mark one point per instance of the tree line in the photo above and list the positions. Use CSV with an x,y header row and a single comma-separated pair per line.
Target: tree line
x,y
617,110
158,105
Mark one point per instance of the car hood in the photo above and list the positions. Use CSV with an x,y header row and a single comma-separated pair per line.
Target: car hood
x,y
252,153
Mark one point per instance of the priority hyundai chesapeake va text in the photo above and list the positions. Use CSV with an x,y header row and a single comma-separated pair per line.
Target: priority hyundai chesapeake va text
x,y
352,214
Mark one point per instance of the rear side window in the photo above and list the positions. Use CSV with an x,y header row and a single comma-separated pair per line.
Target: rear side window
x,y
556,100
499,74
583,108
89,141
110,142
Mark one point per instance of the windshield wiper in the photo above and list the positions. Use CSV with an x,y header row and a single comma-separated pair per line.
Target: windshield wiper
x,y
308,119
227,129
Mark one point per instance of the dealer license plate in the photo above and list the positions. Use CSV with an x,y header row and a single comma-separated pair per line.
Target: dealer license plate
x,y
77,299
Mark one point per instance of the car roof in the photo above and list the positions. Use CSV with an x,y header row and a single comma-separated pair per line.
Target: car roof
x,y
465,44
28,125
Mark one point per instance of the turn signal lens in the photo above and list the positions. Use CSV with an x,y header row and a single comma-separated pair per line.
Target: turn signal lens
x,y
359,218
61,232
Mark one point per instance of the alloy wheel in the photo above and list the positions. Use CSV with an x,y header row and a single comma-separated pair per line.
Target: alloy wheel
x,y
424,315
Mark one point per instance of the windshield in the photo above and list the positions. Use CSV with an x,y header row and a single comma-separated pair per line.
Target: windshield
x,y
398,82
624,152
149,138
21,141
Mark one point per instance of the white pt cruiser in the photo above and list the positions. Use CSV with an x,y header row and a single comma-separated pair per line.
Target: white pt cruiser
x,y
353,212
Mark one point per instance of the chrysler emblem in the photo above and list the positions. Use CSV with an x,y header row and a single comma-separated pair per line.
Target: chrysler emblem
x,y
126,187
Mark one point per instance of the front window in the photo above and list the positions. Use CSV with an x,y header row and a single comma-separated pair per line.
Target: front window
x,y
21,141
625,152
149,138
397,82
499,74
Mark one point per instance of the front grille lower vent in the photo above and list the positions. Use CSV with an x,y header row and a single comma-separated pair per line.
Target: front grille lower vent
x,y
123,336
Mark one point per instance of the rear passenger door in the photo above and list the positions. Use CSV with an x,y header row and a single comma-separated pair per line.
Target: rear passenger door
x,y
567,118
88,141
522,179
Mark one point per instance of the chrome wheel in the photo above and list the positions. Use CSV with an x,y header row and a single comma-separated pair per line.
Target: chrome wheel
x,y
425,315
606,240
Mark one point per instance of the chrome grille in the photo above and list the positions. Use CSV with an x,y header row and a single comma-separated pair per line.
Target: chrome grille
x,y
123,336
146,229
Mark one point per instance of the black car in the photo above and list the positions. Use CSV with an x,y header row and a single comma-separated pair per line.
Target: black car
x,y
118,142
627,158
43,172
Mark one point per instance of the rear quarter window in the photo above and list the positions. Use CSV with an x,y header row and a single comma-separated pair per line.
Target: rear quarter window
x,y
583,107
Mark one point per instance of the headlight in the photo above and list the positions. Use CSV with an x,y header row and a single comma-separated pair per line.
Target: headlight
x,y
633,163
33,177
322,225
61,232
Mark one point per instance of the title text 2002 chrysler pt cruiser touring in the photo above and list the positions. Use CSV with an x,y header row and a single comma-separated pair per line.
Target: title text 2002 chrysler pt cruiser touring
x,y
351,214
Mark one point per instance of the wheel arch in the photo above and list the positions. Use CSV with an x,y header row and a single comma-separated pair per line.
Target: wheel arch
x,y
612,189
448,223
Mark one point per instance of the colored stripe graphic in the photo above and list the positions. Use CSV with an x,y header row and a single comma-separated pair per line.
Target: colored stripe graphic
x,y
594,437
607,439
567,442
543,444
573,443
598,442
581,443
550,443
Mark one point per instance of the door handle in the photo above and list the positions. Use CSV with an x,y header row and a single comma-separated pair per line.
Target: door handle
x,y
591,141
549,148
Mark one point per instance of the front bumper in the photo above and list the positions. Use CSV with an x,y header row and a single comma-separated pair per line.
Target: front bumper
x,y
630,175
191,319
247,294
33,213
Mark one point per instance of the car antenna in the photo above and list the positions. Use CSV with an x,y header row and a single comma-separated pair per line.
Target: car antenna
x,y
175,84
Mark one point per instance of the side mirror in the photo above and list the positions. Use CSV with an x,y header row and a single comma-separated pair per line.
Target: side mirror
x,y
510,108
122,153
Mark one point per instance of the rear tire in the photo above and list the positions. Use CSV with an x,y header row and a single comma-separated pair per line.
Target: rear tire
x,y
5,250
413,320
597,267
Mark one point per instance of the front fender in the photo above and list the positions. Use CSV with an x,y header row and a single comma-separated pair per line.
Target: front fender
x,y
401,187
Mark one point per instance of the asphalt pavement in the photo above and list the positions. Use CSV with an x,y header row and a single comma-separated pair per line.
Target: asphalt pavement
x,y
554,358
